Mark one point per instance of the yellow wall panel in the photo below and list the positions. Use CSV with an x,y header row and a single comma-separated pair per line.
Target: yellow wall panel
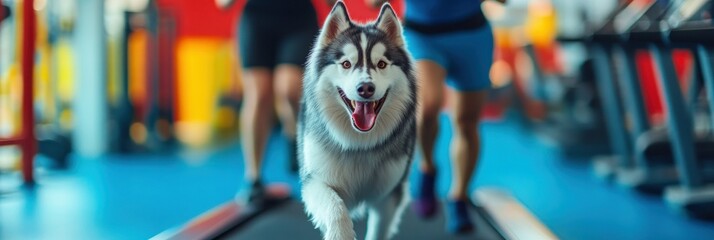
x,y
205,71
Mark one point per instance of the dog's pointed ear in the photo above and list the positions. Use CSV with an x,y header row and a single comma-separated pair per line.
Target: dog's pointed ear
x,y
337,22
389,23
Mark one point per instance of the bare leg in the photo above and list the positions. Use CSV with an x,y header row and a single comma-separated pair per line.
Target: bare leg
x,y
466,144
431,79
288,87
288,84
256,118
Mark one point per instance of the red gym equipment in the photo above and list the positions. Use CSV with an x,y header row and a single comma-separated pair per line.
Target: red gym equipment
x,y
26,139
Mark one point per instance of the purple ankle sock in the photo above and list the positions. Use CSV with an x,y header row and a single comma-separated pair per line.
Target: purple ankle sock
x,y
424,203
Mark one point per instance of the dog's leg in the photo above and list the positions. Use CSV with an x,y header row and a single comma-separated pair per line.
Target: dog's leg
x,y
384,217
327,211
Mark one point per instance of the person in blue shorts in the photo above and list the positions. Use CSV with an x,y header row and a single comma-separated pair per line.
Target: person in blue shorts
x,y
452,44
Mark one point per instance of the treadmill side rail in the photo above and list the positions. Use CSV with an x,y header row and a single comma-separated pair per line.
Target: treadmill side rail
x,y
206,225
221,219
509,215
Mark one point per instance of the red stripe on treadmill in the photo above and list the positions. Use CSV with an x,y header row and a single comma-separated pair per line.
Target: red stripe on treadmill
x,y
213,221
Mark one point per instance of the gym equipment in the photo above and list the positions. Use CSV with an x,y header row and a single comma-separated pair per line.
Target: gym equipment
x,y
26,139
158,121
53,141
147,105
497,216
600,42
616,61
650,166
692,26
675,154
623,37
55,146
123,110
32,140
653,167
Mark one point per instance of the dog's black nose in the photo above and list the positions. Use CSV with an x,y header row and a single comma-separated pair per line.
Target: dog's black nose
x,y
365,89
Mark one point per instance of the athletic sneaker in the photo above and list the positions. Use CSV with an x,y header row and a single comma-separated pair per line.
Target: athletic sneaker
x,y
457,217
424,203
251,193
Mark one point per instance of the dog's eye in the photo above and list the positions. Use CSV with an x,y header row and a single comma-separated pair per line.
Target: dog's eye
x,y
381,64
346,65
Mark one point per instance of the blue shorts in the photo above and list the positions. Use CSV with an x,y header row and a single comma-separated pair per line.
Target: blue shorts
x,y
465,55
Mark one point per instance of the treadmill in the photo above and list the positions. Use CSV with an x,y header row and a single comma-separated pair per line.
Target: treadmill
x,y
675,160
633,29
655,153
496,215
637,27
649,164
600,44
693,27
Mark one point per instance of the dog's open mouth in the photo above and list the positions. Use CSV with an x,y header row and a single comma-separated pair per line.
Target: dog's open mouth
x,y
364,114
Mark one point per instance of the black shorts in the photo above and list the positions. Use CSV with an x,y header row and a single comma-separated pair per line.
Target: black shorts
x,y
269,36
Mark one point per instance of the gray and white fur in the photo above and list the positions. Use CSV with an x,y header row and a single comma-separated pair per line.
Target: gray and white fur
x,y
351,166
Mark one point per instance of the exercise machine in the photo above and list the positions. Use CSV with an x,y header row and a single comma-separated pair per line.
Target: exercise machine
x,y
600,42
26,139
692,26
655,166
674,159
497,215
639,166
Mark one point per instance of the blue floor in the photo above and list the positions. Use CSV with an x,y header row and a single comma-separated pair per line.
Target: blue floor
x,y
138,196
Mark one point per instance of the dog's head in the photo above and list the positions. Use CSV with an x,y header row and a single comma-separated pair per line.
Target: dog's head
x,y
365,69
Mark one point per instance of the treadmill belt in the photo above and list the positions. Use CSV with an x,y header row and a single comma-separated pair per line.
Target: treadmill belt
x,y
289,221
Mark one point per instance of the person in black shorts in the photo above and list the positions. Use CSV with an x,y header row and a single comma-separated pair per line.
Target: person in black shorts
x,y
274,38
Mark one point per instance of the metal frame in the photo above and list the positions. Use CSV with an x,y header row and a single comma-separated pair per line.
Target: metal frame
x,y
26,139
695,193
703,56
632,95
612,108
641,173
679,121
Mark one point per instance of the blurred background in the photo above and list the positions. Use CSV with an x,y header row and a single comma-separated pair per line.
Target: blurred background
x,y
119,118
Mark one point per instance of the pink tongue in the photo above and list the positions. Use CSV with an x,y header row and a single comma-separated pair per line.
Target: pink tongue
x,y
364,116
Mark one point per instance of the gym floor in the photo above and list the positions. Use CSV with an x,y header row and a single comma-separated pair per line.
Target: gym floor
x,y
138,196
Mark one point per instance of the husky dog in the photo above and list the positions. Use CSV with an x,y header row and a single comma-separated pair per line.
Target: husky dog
x,y
357,129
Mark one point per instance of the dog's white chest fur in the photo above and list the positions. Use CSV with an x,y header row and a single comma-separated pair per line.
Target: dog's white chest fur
x,y
365,177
